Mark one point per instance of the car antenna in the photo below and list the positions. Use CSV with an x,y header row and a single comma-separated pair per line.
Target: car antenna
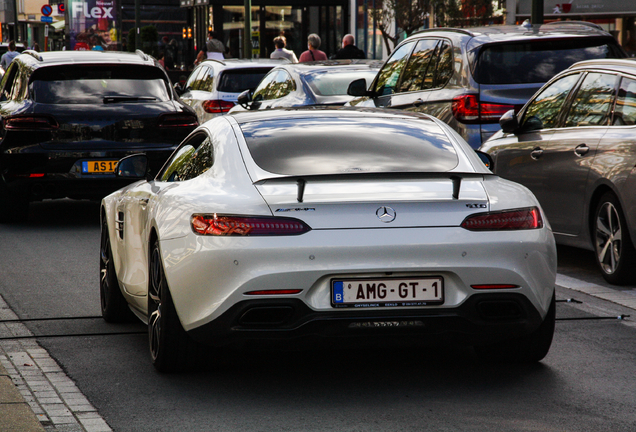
x,y
301,189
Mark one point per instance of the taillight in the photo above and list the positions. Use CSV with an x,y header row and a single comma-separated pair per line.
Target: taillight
x,y
529,218
220,225
274,292
468,109
30,122
217,106
178,120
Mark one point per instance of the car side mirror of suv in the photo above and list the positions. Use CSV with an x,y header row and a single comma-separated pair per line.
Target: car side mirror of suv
x,y
358,88
245,99
132,167
509,122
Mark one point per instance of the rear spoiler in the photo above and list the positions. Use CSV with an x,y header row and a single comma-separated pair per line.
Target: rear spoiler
x,y
301,181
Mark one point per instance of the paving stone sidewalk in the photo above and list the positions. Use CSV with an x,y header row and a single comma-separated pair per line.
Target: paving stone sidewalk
x,y
35,393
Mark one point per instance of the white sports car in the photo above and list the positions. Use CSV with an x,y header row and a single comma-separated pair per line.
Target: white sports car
x,y
327,222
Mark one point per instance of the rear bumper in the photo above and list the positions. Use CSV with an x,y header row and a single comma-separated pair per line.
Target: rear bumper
x,y
481,319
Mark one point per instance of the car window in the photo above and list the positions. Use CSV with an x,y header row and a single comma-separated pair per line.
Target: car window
x,y
537,61
625,111
348,145
334,82
237,80
191,160
420,69
205,82
99,84
8,81
593,100
445,59
387,79
193,80
275,85
543,111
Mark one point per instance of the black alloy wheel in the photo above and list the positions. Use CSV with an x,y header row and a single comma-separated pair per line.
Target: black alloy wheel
x,y
615,254
114,306
170,345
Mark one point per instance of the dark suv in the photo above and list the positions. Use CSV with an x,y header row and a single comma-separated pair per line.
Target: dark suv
x,y
69,116
470,77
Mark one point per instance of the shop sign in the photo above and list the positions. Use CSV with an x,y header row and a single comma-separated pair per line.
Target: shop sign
x,y
92,23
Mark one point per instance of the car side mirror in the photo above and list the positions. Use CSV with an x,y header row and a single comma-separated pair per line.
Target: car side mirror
x,y
245,99
486,159
178,88
132,167
509,122
358,88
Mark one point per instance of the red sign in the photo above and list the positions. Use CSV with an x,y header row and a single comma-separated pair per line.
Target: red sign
x,y
46,10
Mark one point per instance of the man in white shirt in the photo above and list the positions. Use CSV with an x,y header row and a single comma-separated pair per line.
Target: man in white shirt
x,y
281,52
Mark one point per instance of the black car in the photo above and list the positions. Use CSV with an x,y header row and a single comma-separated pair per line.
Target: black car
x,y
470,77
69,116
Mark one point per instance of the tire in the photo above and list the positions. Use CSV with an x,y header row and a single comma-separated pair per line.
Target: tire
x,y
171,349
613,247
114,306
13,208
528,349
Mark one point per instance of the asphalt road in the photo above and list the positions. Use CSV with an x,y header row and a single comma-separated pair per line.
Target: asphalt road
x,y
49,268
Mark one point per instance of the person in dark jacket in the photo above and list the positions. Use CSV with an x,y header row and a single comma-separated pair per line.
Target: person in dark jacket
x,y
349,50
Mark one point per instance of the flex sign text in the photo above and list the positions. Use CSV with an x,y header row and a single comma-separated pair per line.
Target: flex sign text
x,y
80,8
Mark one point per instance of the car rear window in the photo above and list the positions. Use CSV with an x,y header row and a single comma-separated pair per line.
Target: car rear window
x,y
349,145
539,60
237,80
334,82
98,84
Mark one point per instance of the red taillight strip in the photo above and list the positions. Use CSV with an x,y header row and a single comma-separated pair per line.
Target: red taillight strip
x,y
224,225
274,292
520,219
217,106
468,109
30,122
495,286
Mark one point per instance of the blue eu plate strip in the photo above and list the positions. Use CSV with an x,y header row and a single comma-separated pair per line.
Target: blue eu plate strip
x,y
338,296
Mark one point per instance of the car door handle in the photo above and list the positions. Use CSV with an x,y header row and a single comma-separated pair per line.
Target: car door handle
x,y
536,153
581,149
418,103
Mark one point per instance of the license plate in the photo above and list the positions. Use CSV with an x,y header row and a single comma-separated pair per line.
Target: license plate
x,y
99,166
387,292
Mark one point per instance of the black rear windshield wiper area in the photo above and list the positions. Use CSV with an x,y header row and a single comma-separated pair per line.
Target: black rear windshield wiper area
x,y
119,99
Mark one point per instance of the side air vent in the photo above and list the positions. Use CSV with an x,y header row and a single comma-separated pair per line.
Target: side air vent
x,y
119,225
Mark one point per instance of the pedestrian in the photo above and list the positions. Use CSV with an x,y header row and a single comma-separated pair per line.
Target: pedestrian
x,y
8,57
201,56
36,47
349,50
312,53
281,52
214,46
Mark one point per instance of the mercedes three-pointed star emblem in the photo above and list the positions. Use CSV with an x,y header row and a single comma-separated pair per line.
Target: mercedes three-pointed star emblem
x,y
385,214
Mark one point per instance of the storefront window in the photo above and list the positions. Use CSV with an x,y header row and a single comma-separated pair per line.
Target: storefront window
x,y
234,28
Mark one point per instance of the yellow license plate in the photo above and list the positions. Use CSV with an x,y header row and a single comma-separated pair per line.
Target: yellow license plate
x,y
99,166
